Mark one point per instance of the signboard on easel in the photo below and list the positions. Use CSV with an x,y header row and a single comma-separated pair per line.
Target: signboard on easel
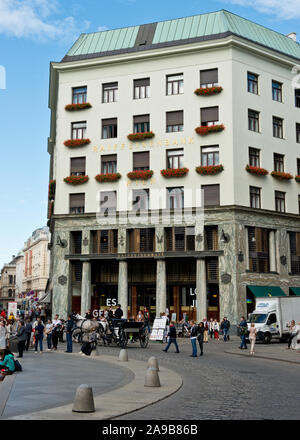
x,y
158,329
12,308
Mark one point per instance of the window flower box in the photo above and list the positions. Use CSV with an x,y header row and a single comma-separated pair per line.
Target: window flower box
x,y
76,180
209,170
140,136
76,142
74,107
281,176
109,177
174,172
297,178
206,129
256,170
140,175
206,91
51,191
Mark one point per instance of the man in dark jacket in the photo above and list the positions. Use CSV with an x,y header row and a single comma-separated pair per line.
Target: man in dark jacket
x,y
69,328
28,330
172,338
243,329
21,335
89,314
118,312
225,325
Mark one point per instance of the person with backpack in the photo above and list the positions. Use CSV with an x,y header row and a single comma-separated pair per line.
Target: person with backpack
x,y
39,335
172,338
7,363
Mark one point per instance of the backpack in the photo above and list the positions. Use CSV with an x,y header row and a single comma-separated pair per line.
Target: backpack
x,y
18,366
86,348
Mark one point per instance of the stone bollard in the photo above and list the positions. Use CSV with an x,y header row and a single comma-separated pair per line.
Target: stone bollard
x,y
152,378
84,400
123,356
153,363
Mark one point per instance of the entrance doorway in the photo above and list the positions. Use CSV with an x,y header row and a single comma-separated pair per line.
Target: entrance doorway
x,y
213,306
140,297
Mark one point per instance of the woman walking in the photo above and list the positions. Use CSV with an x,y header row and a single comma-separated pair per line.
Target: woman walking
x,y
210,328
48,332
293,334
216,329
200,337
252,337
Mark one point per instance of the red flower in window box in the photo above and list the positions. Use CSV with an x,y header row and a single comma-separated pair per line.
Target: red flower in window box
x,y
297,178
76,142
281,176
140,174
140,136
109,177
174,172
206,91
76,180
256,170
73,107
209,170
206,129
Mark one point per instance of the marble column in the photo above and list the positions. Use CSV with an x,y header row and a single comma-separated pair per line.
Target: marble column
x,y
123,287
61,276
201,289
86,287
272,251
161,287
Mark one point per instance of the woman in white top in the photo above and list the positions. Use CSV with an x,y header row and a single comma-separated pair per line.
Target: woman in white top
x,y
8,328
216,329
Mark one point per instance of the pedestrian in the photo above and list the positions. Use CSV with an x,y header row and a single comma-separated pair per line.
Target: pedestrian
x,y
69,328
8,328
210,328
2,335
252,337
7,363
293,333
205,325
21,335
118,312
48,333
200,337
89,314
39,335
140,316
172,337
193,337
243,328
216,329
61,331
146,319
225,325
28,330
55,331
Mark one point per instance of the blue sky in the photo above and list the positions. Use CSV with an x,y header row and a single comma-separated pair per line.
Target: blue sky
x,y
35,32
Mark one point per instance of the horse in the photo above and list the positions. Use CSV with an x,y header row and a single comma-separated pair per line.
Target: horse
x,y
83,325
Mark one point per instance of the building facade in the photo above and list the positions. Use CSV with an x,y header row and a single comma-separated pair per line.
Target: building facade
x,y
8,284
174,155
36,263
20,269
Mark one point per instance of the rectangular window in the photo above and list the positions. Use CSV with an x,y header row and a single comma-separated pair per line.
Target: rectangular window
x,y
76,240
258,247
110,92
298,133
298,167
10,279
277,127
77,166
108,201
252,83
297,98
141,240
276,91
279,162
175,158
175,198
141,124
208,78
255,201
210,155
79,95
295,252
175,84
253,120
141,160
254,157
78,130
179,239
211,238
105,241
108,163
109,128
174,121
140,199
211,195
141,88
77,203
279,201
209,116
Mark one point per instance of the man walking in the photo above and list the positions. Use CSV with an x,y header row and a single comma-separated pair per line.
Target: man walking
x,y
39,335
243,327
69,328
205,333
225,325
21,335
28,330
55,332
193,337
172,337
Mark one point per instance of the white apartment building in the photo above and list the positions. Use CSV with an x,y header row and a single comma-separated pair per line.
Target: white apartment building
x,y
215,102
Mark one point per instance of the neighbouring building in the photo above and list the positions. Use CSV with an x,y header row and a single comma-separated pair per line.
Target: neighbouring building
x,y
8,284
36,263
142,119
20,268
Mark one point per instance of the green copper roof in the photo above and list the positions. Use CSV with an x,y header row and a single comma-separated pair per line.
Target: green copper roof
x,y
214,25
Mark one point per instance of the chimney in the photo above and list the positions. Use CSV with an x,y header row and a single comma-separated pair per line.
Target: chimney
x,y
293,36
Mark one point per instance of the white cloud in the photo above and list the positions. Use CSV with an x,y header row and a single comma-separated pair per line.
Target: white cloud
x,y
37,19
287,10
102,28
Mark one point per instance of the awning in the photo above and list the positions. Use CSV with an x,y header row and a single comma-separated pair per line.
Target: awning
x,y
295,290
266,291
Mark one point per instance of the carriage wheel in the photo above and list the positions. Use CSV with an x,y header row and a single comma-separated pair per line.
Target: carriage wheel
x,y
144,339
123,339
